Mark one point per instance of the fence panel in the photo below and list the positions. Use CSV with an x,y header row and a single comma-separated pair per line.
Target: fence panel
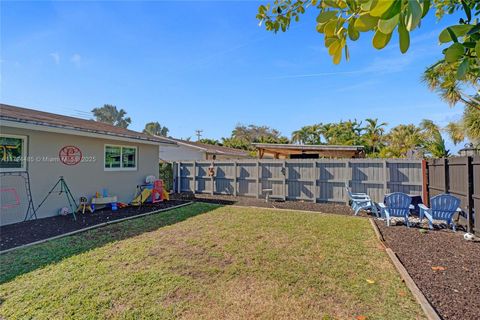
x,y
303,179
476,192
459,176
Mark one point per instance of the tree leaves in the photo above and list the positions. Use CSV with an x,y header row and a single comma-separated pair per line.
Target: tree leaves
x,y
380,39
458,30
413,14
326,16
404,38
383,17
454,52
365,22
387,26
463,69
353,33
381,7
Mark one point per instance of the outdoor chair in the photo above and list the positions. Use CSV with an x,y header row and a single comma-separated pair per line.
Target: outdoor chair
x,y
442,207
397,204
360,201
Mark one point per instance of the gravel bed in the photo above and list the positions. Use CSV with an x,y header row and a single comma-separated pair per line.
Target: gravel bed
x,y
21,233
444,266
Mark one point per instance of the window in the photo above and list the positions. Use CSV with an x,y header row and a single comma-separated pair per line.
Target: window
x,y
12,153
120,158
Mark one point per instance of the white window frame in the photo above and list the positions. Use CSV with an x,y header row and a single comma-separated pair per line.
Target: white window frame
x,y
121,157
24,152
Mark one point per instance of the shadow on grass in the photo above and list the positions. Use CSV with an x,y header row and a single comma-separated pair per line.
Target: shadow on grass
x,y
25,260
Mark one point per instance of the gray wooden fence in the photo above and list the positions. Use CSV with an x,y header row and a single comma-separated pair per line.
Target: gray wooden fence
x,y
304,179
459,176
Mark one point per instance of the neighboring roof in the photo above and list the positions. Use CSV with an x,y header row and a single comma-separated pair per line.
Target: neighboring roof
x,y
46,119
307,147
212,149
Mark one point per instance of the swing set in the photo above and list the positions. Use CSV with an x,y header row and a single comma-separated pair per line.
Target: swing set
x,y
31,212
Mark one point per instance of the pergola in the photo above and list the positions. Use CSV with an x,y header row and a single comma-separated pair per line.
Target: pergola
x,y
303,151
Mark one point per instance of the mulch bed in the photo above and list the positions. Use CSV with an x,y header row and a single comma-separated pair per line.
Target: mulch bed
x,y
254,202
20,233
444,266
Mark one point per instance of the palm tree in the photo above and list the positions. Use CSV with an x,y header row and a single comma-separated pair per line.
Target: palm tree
x,y
456,131
109,114
402,139
442,77
308,134
155,129
467,127
434,142
373,134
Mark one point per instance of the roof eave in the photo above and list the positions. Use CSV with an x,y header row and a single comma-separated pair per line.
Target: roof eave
x,y
40,126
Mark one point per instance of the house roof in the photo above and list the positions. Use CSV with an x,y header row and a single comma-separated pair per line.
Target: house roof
x,y
212,149
49,120
307,147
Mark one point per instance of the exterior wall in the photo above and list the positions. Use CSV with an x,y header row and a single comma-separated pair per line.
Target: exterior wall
x,y
181,153
83,179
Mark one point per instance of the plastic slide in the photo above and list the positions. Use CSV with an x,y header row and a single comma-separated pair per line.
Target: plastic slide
x,y
142,197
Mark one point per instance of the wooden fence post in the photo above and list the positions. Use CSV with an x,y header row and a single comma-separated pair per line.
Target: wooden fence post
x,y
179,180
348,179
194,177
284,183
445,172
212,179
316,194
258,179
469,192
425,194
235,178
385,179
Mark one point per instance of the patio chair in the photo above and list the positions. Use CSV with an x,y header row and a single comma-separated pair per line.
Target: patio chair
x,y
442,207
397,204
360,201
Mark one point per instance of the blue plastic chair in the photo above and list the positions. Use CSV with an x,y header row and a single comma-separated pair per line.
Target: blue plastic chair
x,y
442,207
360,201
397,204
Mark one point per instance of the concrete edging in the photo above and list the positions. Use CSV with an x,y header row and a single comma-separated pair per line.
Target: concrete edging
x,y
94,227
416,292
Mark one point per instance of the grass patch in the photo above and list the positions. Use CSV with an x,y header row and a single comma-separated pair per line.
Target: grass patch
x,y
228,263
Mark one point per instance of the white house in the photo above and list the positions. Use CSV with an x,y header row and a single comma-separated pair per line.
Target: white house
x,y
37,148
190,151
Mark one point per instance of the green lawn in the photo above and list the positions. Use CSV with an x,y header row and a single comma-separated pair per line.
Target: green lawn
x,y
209,262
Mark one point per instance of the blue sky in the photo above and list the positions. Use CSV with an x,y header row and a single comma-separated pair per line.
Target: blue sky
x,y
206,65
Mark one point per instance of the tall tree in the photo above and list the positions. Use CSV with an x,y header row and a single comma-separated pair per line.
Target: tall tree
x,y
155,129
373,135
343,133
243,136
434,144
111,115
308,134
402,139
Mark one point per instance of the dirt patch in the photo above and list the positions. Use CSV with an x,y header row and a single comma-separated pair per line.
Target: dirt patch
x,y
254,202
20,233
444,266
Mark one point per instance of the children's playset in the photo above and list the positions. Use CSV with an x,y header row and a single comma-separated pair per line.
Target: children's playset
x,y
152,191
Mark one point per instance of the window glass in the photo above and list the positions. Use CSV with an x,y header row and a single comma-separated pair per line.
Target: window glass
x,y
11,152
112,156
129,157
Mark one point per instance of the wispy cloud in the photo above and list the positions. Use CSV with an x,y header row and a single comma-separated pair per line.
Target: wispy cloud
x,y
56,57
76,59
318,74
